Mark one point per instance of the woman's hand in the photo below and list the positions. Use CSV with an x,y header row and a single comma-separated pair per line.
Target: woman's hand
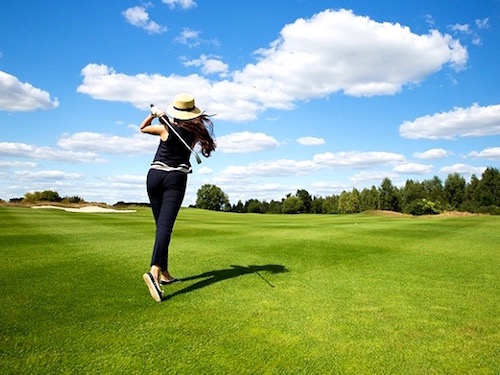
x,y
146,122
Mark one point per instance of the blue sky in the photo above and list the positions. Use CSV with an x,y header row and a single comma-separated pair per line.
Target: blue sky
x,y
316,95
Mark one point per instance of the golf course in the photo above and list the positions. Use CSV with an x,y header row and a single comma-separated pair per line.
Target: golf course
x,y
369,293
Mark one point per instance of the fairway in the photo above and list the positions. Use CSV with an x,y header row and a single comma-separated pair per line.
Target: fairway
x,y
260,294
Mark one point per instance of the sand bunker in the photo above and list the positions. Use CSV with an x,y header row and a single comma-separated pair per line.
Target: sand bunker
x,y
89,209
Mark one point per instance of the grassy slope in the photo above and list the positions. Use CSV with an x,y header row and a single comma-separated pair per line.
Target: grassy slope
x,y
361,294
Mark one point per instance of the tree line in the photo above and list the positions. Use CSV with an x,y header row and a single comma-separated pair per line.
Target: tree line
x,y
428,197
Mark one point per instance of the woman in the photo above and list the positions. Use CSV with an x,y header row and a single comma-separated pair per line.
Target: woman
x,y
167,177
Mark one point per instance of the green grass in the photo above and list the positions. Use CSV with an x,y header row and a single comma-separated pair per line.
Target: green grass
x,y
264,294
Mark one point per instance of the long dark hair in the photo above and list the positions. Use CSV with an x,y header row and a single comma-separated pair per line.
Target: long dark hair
x,y
203,130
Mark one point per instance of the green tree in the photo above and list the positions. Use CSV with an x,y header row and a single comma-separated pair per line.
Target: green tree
x,y
412,192
434,191
306,198
488,194
454,190
389,197
238,207
331,205
274,207
211,197
253,206
50,196
292,205
317,205
471,193
349,202
368,199
45,196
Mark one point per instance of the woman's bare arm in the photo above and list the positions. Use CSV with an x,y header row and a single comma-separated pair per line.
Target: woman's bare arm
x,y
155,129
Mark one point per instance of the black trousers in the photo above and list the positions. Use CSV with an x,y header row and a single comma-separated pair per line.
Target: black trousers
x,y
166,191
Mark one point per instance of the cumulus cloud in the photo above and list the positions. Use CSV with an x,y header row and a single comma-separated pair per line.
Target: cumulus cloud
x,y
104,83
463,169
17,164
188,37
245,142
184,4
127,179
205,171
350,54
490,153
105,143
413,168
17,96
16,149
47,175
475,121
209,65
270,168
325,188
372,177
356,159
139,17
433,153
310,141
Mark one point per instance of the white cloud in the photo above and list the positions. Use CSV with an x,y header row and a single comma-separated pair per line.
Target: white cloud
x,y
205,171
127,179
465,28
104,83
310,141
46,175
184,4
372,177
474,121
209,65
111,144
350,54
245,142
139,17
413,168
483,23
463,169
192,39
356,159
16,149
17,164
269,168
189,37
326,188
490,153
433,153
17,96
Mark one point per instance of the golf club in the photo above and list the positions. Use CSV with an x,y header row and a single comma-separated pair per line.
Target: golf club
x,y
165,121
263,278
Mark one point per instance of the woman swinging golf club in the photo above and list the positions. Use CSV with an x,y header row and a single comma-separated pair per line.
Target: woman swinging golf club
x,y
167,176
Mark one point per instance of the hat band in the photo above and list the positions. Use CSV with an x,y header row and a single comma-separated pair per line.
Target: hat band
x,y
185,109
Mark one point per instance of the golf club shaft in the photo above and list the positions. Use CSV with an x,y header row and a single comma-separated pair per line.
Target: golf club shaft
x,y
165,121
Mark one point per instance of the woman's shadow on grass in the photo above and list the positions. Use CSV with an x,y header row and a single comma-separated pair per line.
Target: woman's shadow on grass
x,y
212,277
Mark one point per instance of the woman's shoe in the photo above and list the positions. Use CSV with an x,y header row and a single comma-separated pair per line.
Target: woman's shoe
x,y
153,287
167,282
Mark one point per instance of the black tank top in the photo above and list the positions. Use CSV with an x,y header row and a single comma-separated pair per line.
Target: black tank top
x,y
172,151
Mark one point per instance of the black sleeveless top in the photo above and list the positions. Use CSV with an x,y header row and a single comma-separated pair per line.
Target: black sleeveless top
x,y
172,154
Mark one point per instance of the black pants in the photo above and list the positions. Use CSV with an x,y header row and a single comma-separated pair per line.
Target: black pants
x,y
166,191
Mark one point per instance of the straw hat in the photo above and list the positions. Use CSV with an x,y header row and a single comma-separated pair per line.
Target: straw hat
x,y
183,108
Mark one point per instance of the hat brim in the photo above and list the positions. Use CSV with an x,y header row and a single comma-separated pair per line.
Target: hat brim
x,y
183,115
